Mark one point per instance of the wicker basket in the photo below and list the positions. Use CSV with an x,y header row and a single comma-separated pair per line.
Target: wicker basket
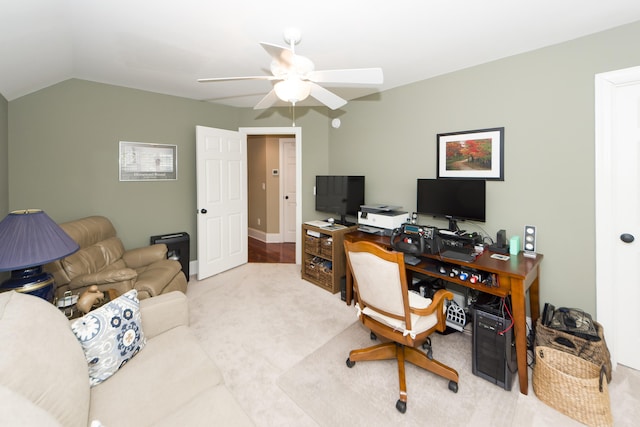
x,y
312,244
326,246
325,275
573,386
593,351
311,269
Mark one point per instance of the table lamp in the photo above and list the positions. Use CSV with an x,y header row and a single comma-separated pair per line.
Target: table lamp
x,y
28,240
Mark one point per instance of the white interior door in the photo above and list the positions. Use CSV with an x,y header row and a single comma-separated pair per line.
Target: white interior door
x,y
288,194
221,174
618,211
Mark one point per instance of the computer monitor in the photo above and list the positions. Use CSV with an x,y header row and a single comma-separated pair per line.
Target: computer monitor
x,y
340,195
454,199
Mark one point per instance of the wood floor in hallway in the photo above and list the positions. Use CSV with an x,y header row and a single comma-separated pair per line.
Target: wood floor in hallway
x,y
284,253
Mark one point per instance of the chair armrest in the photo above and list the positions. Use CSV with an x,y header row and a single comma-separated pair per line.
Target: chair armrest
x,y
438,307
437,303
136,258
103,277
164,312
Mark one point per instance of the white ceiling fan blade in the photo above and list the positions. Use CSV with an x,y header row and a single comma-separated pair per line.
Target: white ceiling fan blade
x,y
266,102
355,75
224,79
281,54
328,98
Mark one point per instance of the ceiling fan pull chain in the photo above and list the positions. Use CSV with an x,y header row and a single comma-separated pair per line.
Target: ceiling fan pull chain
x,y
293,113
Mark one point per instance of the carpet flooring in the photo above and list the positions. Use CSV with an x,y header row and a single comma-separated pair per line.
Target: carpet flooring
x,y
282,342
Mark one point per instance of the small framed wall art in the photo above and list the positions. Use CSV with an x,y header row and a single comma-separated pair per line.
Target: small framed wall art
x,y
140,161
472,154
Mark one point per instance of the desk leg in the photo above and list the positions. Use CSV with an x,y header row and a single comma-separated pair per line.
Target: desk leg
x,y
534,300
520,331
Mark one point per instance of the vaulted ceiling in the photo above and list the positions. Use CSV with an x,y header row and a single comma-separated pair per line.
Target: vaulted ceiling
x,y
164,46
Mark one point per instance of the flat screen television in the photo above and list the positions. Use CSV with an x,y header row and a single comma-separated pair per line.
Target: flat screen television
x,y
454,199
340,195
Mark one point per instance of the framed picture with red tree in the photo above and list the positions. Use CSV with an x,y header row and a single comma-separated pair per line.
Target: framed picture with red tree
x,y
472,154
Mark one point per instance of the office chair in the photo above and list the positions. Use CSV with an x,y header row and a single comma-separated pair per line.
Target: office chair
x,y
391,312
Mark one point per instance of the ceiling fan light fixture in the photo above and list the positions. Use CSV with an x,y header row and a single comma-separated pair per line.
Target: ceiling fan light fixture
x,y
292,90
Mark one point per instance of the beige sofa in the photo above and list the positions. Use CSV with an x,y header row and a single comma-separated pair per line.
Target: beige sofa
x,y
103,261
170,382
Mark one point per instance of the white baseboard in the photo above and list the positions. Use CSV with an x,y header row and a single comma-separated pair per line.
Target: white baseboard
x,y
265,237
193,268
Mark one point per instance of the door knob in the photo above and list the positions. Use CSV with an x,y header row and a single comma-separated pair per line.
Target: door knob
x,y
203,211
286,197
627,238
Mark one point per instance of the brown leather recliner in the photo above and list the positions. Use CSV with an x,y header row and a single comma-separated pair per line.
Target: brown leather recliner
x,y
103,261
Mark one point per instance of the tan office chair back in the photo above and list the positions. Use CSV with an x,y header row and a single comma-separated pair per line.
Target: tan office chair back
x,y
379,279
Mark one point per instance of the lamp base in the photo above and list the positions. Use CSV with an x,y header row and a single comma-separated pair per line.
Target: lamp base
x,y
33,281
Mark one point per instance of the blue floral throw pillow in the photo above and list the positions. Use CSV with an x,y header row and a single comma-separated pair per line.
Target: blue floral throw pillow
x,y
110,336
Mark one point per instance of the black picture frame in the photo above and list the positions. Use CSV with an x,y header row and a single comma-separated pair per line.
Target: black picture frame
x,y
471,154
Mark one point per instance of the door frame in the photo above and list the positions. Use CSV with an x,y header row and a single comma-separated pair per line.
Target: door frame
x,y
282,205
295,132
607,298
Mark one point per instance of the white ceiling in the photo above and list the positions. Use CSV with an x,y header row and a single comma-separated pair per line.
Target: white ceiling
x,y
164,46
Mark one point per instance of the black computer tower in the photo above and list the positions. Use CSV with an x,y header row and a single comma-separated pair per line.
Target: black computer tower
x,y
493,351
177,248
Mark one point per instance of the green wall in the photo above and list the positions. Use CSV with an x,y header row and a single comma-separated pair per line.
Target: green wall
x,y
545,101
64,155
4,164
4,156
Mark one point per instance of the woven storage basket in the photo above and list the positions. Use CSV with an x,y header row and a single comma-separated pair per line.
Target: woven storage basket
x,y
572,385
325,275
326,246
593,351
311,268
312,244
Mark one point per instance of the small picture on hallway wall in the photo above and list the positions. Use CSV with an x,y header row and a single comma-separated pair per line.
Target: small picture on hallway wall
x,y
472,154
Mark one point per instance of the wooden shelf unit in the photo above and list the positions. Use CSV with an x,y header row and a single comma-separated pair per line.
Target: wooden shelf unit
x,y
323,259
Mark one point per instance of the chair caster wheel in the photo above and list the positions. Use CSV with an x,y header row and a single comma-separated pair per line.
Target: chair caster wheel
x,y
351,364
373,336
401,406
426,344
453,386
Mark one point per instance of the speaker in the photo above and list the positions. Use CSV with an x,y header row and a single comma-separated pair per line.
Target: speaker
x,y
493,350
177,248
500,246
529,241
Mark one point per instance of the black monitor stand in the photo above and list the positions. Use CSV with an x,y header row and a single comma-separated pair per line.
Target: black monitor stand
x,y
343,221
453,224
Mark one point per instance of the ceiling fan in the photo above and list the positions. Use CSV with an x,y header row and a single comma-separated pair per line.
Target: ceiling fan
x,y
297,79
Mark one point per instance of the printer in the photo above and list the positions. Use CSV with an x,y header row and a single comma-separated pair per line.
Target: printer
x,y
382,216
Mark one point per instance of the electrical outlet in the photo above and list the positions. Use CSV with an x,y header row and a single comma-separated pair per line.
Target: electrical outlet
x,y
258,221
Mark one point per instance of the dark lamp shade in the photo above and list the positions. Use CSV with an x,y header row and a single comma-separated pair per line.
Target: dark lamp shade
x,y
31,238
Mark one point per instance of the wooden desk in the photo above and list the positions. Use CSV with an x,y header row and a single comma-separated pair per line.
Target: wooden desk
x,y
514,277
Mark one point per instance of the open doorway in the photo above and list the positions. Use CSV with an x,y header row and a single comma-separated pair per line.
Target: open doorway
x,y
274,210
